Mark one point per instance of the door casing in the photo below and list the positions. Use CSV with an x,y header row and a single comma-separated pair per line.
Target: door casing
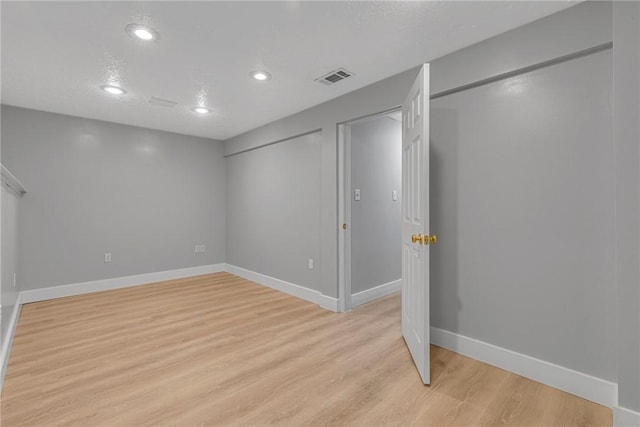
x,y
344,205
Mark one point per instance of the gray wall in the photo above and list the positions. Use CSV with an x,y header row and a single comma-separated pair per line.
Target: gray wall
x,y
626,56
9,293
522,197
580,27
528,198
570,294
145,196
273,210
376,169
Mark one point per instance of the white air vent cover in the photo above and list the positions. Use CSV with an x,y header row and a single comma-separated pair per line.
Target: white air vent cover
x,y
335,76
162,102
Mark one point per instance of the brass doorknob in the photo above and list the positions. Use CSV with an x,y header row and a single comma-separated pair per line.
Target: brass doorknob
x,y
433,239
418,238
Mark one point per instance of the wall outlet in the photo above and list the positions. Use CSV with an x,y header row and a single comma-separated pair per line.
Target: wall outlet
x,y
356,195
394,195
310,263
107,257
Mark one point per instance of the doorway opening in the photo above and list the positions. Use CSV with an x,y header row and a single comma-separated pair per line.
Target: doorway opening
x,y
414,232
370,204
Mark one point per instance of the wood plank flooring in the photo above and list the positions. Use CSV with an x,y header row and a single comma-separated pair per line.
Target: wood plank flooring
x,y
219,350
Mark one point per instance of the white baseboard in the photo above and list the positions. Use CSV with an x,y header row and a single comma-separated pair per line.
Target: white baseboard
x,y
574,382
379,291
328,303
324,301
623,417
8,342
580,384
43,294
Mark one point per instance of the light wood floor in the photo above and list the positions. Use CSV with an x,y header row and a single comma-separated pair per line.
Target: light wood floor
x,y
219,350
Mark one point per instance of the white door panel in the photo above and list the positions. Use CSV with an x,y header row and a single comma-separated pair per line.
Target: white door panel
x,y
415,223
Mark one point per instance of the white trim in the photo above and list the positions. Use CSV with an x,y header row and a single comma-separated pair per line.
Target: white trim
x,y
324,301
328,303
374,293
8,342
580,384
623,417
343,132
348,302
343,293
574,382
43,294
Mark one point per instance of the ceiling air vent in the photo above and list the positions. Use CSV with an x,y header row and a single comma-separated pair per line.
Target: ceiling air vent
x,y
335,76
162,102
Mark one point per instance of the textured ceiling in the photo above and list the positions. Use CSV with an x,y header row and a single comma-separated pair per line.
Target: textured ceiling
x,y
56,54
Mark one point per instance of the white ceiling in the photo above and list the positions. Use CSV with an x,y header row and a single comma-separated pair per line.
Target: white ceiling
x,y
56,54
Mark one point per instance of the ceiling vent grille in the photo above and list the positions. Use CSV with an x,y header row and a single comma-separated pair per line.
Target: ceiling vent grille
x,y
162,102
334,76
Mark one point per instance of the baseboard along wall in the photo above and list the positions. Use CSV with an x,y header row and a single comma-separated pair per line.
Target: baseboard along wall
x,y
6,345
574,382
43,294
565,379
324,301
623,417
53,292
376,292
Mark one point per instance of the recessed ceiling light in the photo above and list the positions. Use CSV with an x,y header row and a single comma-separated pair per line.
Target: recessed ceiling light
x,y
141,32
113,90
201,110
260,75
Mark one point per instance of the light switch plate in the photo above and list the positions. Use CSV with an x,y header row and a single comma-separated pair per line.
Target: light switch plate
x,y
394,195
356,195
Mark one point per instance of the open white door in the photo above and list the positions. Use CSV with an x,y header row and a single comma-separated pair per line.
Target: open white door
x,y
415,223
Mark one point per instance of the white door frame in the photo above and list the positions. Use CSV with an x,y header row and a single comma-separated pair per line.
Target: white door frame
x,y
344,205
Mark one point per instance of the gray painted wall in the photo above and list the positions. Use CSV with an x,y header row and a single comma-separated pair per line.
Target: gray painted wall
x,y
626,57
82,174
9,293
145,196
569,295
370,100
580,27
522,198
273,210
376,169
